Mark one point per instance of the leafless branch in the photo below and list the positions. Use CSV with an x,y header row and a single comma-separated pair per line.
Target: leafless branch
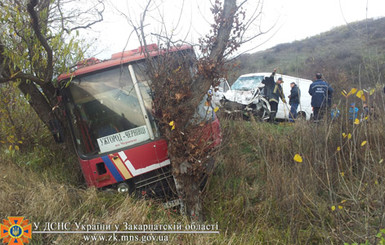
x,y
167,39
142,25
100,13
261,43
254,16
75,16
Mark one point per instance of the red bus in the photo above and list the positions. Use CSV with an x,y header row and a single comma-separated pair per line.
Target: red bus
x,y
109,110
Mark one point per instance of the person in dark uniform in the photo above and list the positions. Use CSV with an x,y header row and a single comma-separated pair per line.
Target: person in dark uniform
x,y
269,83
294,98
321,93
274,99
273,91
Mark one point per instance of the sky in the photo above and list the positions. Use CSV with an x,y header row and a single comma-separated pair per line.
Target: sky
x,y
283,21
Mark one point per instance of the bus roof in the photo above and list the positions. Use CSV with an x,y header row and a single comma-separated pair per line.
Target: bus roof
x,y
93,64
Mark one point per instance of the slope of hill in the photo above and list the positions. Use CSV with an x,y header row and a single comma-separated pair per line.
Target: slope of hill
x,y
353,53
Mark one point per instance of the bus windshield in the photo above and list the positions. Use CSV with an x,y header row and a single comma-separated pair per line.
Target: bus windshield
x,y
247,83
105,112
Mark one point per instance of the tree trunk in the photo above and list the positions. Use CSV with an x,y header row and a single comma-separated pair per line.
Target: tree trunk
x,y
44,111
37,101
188,189
188,184
200,87
177,96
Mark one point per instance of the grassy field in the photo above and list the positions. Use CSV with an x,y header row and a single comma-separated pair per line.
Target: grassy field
x,y
301,183
333,193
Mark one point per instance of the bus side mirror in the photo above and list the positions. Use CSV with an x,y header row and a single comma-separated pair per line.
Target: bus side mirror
x,y
56,130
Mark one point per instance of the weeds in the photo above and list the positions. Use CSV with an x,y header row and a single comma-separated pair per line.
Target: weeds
x,y
261,191
333,195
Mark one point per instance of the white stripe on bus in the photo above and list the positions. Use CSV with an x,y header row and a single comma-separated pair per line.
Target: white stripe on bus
x,y
140,171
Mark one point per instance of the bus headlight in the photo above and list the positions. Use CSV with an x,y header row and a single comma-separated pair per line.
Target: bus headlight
x,y
123,188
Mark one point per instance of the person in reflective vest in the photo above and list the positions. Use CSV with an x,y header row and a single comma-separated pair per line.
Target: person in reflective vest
x,y
274,99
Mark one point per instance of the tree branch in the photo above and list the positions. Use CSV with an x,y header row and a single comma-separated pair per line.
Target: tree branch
x,y
220,44
5,74
21,75
36,27
100,13
142,26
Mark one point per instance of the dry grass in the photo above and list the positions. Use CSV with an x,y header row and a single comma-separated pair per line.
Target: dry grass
x,y
258,193
332,196
26,193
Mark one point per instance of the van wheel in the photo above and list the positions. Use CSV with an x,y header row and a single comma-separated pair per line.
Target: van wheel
x,y
301,115
262,114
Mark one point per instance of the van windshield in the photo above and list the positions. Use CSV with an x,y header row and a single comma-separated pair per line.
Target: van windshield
x,y
247,83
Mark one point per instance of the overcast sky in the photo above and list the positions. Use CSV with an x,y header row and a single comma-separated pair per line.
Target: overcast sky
x,y
190,19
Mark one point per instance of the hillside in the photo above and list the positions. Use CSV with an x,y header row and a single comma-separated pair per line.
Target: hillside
x,y
348,53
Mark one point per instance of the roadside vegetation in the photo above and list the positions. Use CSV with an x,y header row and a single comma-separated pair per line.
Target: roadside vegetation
x,y
286,184
301,183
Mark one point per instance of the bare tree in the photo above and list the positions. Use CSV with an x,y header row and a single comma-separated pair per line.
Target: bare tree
x,y
178,93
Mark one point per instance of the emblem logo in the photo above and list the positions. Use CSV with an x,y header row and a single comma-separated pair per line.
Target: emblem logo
x,y
15,230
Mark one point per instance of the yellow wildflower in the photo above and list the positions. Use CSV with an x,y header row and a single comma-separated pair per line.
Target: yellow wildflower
x,y
297,158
